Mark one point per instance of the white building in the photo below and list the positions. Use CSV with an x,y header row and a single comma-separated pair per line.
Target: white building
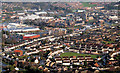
x,y
66,63
30,17
15,27
113,17
38,13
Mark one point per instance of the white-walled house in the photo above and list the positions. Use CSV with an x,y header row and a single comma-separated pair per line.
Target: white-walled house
x,y
58,60
66,63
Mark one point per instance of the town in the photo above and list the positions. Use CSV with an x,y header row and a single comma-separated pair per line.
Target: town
x,y
60,37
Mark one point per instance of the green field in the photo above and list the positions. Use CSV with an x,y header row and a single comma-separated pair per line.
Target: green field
x,y
86,4
76,54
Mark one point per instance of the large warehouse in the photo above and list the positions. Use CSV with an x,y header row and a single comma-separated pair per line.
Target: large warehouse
x,y
30,36
15,27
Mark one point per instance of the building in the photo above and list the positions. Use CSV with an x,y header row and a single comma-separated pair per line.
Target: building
x,y
18,52
114,17
30,36
58,60
40,13
90,18
15,27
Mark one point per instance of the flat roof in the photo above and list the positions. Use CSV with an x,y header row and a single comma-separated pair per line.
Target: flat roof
x,y
28,35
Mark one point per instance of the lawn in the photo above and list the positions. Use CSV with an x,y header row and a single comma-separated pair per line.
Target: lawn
x,y
79,26
109,42
86,4
76,54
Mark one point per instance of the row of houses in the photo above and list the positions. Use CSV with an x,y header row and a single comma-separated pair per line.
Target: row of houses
x,y
67,61
92,50
25,43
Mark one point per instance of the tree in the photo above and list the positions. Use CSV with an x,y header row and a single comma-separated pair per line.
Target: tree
x,y
85,63
5,32
70,31
56,16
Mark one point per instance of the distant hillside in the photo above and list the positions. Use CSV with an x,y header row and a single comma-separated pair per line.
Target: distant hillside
x,y
112,6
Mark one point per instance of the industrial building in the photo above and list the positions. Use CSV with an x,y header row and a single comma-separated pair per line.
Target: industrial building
x,y
30,36
15,27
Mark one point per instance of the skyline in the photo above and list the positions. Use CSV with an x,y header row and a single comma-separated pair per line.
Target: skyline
x,y
60,0
59,37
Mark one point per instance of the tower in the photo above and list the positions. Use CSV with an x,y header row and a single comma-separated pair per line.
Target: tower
x,y
39,8
86,16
